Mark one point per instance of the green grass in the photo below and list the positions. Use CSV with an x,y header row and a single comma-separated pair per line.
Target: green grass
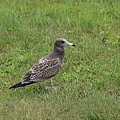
x,y
90,77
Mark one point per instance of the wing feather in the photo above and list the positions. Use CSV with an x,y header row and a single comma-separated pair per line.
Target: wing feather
x,y
43,69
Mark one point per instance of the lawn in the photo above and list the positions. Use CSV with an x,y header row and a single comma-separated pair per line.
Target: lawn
x,y
90,78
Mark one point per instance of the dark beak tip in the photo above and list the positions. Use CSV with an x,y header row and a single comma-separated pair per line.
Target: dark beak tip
x,y
73,45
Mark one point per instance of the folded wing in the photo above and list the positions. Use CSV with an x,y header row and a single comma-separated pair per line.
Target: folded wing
x,y
42,70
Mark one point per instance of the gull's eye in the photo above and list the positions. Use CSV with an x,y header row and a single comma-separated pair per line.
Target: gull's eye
x,y
62,41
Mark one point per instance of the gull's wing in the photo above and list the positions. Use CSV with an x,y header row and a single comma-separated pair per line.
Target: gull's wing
x,y
42,70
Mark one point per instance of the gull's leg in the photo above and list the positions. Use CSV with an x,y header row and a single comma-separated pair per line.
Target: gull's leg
x,y
46,87
55,87
51,82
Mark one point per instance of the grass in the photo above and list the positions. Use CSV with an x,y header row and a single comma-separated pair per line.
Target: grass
x,y
90,77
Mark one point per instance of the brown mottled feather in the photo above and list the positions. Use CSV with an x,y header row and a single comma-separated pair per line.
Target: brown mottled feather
x,y
42,70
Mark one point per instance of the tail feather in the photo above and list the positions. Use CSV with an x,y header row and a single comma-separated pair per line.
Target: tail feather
x,y
20,85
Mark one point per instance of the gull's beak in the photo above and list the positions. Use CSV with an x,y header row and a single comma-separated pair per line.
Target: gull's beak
x,y
70,44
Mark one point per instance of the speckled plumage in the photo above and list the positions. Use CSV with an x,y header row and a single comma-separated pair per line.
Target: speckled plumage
x,y
42,70
47,66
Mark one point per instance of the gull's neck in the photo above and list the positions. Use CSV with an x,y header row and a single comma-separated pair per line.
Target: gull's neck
x,y
59,50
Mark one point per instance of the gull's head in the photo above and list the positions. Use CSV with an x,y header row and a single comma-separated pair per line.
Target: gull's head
x,y
61,42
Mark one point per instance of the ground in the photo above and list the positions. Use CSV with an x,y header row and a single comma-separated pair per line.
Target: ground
x,y
90,78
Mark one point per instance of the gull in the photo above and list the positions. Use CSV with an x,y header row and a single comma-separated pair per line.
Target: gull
x,y
47,67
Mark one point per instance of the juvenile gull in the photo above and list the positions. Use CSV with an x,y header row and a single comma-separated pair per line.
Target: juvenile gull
x,y
46,67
